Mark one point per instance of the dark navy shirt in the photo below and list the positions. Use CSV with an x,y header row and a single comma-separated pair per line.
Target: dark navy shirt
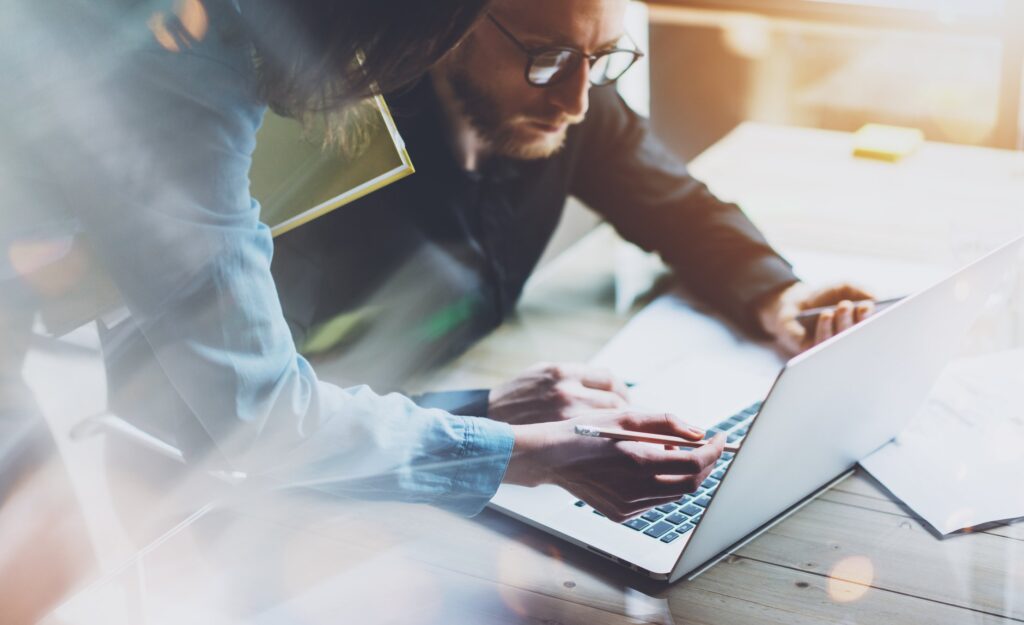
x,y
450,250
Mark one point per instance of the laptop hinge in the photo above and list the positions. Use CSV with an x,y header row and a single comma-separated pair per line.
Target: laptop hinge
x,y
767,526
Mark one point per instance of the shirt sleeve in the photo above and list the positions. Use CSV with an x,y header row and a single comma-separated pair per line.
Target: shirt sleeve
x,y
159,157
645,191
470,402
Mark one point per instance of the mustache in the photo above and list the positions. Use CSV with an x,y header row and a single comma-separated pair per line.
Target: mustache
x,y
557,120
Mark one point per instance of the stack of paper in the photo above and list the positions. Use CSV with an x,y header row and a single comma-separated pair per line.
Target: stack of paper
x,y
960,462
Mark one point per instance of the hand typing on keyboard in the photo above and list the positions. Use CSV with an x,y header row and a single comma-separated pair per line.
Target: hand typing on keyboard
x,y
669,521
620,479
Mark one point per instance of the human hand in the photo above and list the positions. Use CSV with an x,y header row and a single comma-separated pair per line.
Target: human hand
x,y
778,315
620,479
554,392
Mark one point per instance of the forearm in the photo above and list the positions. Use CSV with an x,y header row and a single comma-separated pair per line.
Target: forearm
x,y
299,431
648,194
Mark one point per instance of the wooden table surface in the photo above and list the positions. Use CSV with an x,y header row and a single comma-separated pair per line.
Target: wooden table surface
x,y
854,555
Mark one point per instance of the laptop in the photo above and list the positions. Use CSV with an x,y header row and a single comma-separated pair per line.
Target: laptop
x,y
828,408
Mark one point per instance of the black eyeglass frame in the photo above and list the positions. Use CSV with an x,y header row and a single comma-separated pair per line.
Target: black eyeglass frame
x,y
533,53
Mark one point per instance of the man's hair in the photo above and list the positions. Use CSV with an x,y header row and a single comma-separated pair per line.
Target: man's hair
x,y
307,50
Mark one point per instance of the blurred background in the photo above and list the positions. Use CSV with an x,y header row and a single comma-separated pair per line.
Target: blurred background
x,y
951,68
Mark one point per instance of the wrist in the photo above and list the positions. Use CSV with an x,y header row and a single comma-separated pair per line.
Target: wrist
x,y
528,465
769,308
767,312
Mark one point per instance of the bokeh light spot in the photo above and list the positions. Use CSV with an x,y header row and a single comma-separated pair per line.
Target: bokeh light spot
x,y
158,25
188,23
850,579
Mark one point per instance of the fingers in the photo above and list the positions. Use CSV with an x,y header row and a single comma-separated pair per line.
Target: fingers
x,y
583,397
863,310
843,316
620,499
834,294
823,331
620,511
660,423
677,486
654,460
592,377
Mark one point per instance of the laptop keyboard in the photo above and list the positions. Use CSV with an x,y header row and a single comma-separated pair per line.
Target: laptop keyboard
x,y
670,521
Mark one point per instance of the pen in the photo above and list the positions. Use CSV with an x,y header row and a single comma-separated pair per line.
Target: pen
x,y
809,318
644,437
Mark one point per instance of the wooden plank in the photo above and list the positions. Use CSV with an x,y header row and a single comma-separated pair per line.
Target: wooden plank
x,y
980,572
773,594
740,590
262,572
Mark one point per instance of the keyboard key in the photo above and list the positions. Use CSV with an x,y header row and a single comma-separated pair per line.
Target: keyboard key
x,y
727,455
652,516
598,513
703,501
676,518
667,538
580,504
742,430
668,508
690,509
709,483
636,524
718,473
733,438
682,529
658,529
695,520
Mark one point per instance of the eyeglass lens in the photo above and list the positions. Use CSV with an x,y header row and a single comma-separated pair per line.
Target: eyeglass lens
x,y
555,65
552,66
610,67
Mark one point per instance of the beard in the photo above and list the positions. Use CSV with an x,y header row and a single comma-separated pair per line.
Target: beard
x,y
505,135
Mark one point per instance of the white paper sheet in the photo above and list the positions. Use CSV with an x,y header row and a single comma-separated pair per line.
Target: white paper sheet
x,y
688,363
960,462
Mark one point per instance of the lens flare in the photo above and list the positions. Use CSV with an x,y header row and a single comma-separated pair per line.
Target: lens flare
x,y
850,579
189,23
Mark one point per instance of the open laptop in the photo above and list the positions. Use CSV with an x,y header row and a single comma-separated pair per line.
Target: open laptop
x,y
828,408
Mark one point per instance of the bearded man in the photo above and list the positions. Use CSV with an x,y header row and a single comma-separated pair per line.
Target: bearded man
x,y
520,116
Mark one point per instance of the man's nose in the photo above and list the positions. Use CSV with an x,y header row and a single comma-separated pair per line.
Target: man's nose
x,y
572,94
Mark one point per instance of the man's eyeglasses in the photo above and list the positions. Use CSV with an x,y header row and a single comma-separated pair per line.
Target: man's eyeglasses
x,y
548,65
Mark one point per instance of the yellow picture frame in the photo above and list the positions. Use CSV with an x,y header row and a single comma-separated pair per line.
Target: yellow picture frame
x,y
297,179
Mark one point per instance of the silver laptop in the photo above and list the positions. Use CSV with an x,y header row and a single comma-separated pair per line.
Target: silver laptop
x,y
828,408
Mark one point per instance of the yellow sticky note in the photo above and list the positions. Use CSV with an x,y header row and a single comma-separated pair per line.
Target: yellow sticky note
x,y
886,143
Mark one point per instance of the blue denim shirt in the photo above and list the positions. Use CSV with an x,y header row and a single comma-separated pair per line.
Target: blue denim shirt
x,y
145,152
